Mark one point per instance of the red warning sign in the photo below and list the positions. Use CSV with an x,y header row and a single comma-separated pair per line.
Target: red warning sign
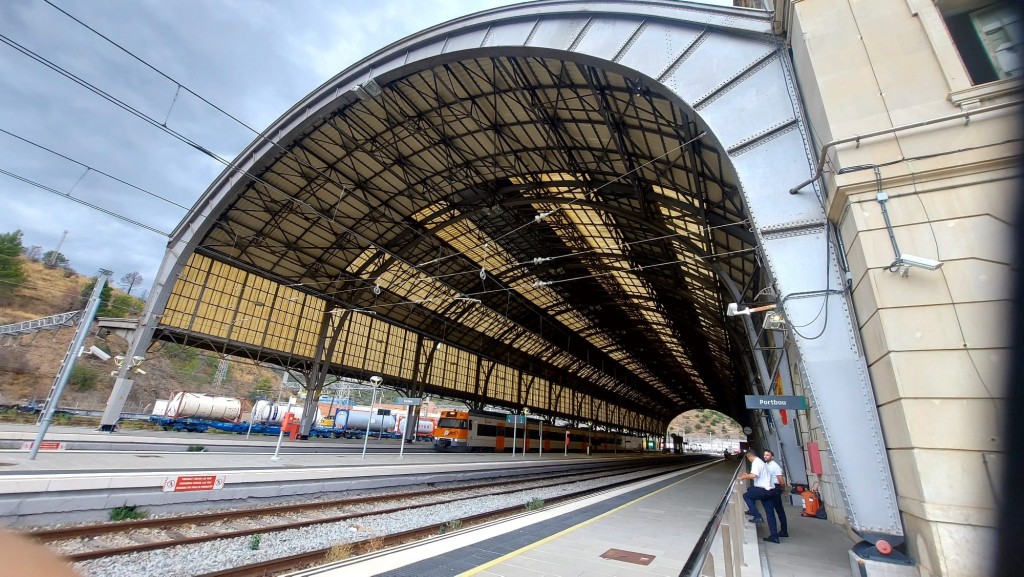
x,y
45,445
184,483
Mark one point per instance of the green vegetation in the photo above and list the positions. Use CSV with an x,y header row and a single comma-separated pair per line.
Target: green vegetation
x,y
534,504
11,273
125,306
254,541
196,448
104,310
54,259
120,306
83,378
453,525
262,389
126,513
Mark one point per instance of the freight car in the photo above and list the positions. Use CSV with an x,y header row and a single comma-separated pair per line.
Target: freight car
x,y
352,424
477,431
424,428
196,412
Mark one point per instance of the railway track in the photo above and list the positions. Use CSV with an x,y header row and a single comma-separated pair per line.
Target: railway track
x,y
98,541
330,554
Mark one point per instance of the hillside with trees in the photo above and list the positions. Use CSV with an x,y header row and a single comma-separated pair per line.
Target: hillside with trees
x,y
33,286
706,423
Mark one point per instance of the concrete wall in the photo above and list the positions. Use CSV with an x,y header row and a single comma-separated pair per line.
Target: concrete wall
x,y
935,341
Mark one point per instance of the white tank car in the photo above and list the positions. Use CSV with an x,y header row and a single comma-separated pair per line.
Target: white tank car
x,y
425,428
356,420
271,412
196,406
160,407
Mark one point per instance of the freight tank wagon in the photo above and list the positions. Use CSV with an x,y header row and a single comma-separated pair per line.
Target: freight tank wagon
x,y
184,405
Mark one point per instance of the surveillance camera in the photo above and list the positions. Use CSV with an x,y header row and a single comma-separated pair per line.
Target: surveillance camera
x,y
920,261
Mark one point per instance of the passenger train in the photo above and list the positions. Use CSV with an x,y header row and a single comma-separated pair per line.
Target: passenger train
x,y
471,431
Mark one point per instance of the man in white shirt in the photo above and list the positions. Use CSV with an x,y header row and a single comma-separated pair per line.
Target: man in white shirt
x,y
775,471
762,490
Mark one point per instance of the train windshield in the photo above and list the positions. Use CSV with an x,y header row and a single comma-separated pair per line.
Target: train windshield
x,y
453,424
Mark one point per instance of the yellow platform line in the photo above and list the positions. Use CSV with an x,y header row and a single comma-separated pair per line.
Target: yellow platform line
x,y
550,538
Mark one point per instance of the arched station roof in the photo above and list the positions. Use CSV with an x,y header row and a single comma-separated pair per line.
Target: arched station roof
x,y
515,208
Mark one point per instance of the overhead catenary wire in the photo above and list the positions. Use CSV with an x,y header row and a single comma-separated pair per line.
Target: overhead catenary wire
x,y
543,216
153,122
376,280
515,288
92,168
259,180
179,86
82,202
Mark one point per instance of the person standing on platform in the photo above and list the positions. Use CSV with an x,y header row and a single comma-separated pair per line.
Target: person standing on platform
x,y
762,490
775,471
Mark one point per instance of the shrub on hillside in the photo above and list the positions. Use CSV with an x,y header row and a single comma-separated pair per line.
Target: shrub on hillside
x,y
83,378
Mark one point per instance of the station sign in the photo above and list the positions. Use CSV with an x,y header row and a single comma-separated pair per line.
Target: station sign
x,y
519,419
384,412
412,401
776,402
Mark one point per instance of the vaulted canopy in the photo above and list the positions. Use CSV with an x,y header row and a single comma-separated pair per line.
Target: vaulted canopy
x,y
518,227
551,216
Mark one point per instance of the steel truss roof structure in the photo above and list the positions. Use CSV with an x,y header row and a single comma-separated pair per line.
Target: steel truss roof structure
x,y
551,217
544,206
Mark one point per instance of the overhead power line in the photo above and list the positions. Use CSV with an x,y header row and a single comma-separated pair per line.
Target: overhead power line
x,y
82,202
151,67
93,169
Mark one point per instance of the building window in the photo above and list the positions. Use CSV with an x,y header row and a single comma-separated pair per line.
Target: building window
x,y
988,35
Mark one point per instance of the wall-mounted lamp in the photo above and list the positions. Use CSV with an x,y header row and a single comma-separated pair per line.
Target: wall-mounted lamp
x,y
368,90
775,321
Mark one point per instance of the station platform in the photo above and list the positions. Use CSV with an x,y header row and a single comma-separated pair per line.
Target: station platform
x,y
630,532
614,534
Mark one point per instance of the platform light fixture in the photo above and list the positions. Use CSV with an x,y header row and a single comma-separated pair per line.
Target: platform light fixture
x,y
368,90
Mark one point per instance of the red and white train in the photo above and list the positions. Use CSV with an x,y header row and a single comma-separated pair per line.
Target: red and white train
x,y
471,431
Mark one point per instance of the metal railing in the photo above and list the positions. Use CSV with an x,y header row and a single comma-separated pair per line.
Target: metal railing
x,y
727,519
51,322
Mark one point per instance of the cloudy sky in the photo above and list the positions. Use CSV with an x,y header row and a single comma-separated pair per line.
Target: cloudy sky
x,y
252,58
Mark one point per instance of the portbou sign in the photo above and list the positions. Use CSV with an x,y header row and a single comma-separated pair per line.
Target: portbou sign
x,y
792,403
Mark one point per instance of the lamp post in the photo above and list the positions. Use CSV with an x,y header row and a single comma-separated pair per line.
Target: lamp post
x,y
373,398
280,435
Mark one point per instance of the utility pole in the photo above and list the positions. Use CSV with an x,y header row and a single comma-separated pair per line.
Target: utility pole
x,y
46,414
56,251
